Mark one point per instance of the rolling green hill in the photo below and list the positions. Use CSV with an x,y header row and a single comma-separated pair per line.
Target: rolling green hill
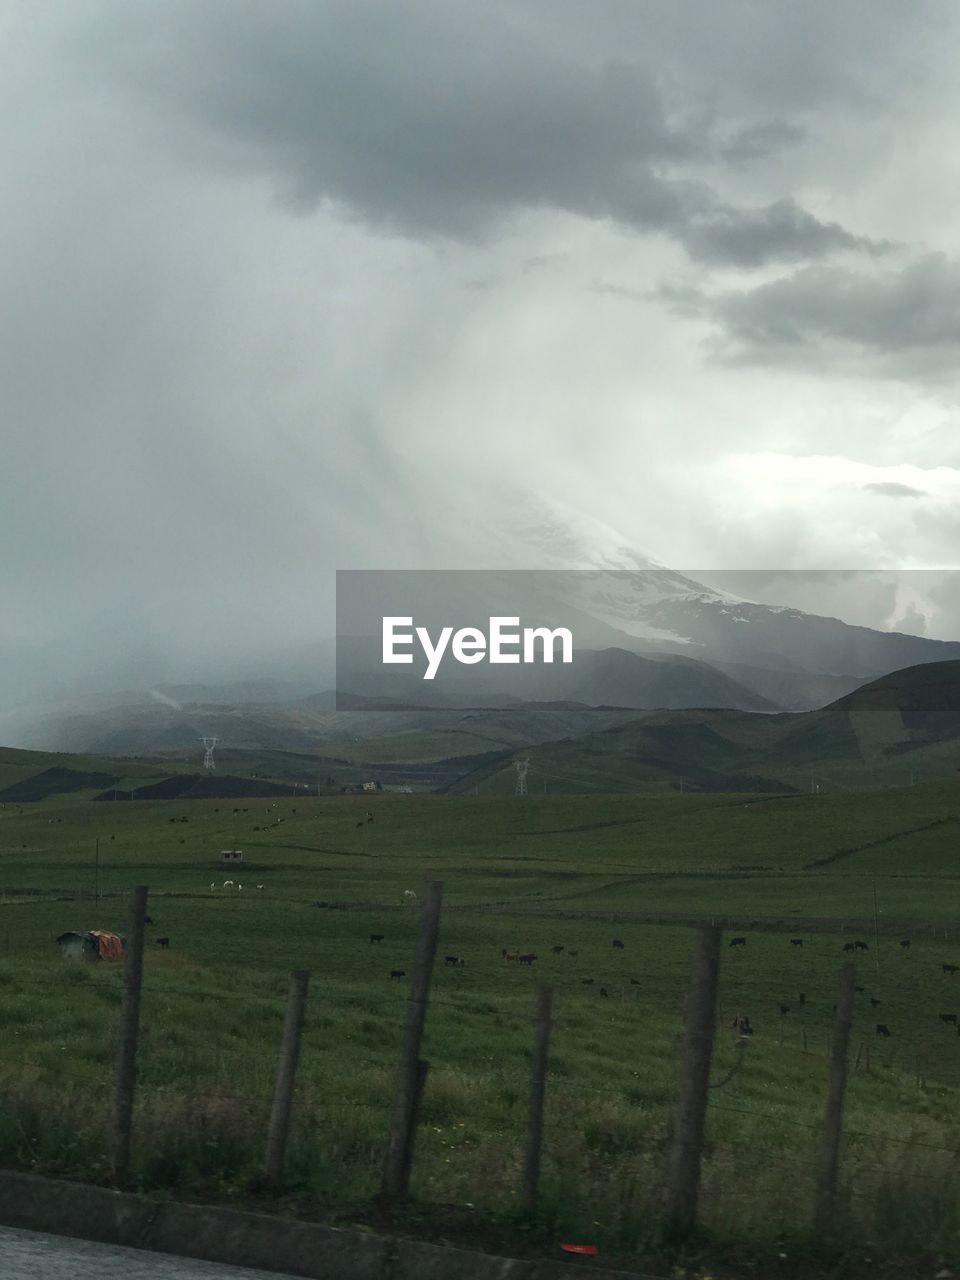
x,y
901,728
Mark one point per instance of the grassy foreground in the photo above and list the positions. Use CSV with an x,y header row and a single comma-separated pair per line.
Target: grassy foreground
x,y
529,874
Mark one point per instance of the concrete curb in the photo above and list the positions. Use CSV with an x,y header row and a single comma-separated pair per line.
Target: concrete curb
x,y
256,1239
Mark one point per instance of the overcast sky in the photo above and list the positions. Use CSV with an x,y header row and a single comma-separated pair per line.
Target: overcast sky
x,y
292,285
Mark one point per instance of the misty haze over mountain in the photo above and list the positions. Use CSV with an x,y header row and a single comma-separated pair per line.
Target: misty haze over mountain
x,y
440,287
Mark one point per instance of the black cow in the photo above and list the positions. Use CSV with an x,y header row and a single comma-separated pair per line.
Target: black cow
x,y
802,999
453,961
849,946
603,992
398,973
163,942
949,968
874,1001
796,942
618,944
556,950
376,937
738,942
587,982
904,942
948,1017
882,1029
528,958
635,982
861,946
784,1008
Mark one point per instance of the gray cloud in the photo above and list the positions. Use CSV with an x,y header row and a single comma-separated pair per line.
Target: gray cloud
x,y
911,621
905,323
780,232
759,141
446,119
891,489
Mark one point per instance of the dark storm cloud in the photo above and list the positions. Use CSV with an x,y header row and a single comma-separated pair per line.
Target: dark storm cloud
x,y
903,323
890,489
782,231
446,118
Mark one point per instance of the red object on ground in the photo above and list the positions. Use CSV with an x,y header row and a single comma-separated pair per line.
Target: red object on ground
x,y
579,1248
109,944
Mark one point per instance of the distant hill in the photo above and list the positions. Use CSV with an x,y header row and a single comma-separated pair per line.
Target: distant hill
x,y
902,727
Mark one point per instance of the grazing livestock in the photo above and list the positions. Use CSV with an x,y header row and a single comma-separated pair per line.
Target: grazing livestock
x,y
741,1024
904,942
453,961
738,942
148,919
618,944
949,968
587,982
784,1009
860,990
603,992
527,959
163,942
802,999
511,955
398,973
376,937
556,950
796,942
849,946
874,1001
882,1029
948,1017
861,946
409,897
634,982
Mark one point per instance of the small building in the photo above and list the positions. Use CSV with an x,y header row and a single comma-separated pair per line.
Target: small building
x,y
230,856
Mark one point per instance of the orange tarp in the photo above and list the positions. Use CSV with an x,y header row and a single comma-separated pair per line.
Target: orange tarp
x,y
111,948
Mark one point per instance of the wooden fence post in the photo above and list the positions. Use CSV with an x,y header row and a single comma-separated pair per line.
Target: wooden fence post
x,y
421,1082
396,1168
683,1179
829,1162
126,1077
279,1129
538,1088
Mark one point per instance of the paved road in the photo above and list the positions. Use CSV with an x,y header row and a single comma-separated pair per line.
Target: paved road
x,y
29,1255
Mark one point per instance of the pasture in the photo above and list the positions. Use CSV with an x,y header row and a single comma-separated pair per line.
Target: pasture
x,y
532,875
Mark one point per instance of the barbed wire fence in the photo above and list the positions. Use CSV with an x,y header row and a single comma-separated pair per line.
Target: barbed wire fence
x,y
703,1090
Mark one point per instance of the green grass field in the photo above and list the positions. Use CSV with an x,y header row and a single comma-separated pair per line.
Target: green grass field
x,y
531,874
